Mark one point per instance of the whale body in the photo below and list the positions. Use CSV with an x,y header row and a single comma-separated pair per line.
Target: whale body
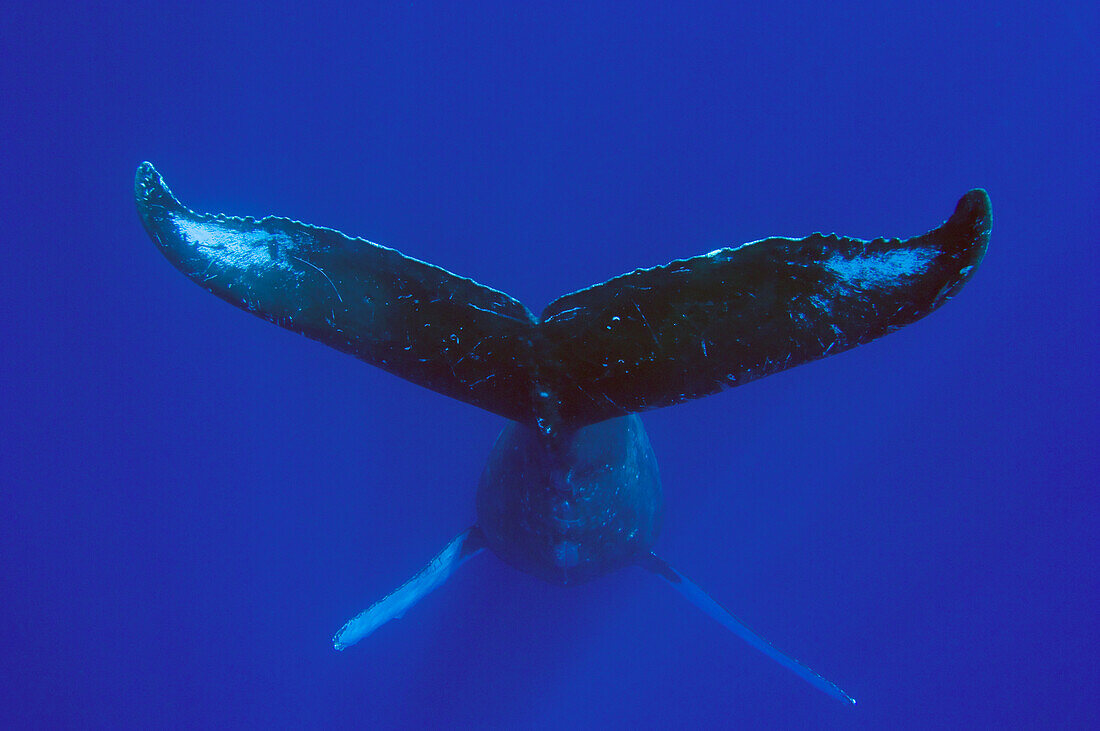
x,y
574,509
571,489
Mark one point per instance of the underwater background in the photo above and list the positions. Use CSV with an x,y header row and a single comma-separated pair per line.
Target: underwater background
x,y
193,501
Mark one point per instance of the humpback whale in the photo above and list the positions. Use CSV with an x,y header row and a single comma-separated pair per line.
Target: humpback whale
x,y
571,489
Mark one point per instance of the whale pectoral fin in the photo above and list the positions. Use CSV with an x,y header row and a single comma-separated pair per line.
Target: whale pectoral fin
x,y
701,599
661,336
394,606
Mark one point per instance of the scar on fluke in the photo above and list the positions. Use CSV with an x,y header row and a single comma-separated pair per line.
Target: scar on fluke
x,y
571,489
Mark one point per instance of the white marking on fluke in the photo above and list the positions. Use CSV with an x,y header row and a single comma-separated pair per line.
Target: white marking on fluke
x,y
880,270
235,249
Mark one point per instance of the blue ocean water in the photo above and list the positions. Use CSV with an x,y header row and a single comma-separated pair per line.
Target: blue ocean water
x,y
192,501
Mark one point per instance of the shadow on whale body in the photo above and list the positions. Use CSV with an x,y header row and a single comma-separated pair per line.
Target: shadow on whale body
x,y
571,489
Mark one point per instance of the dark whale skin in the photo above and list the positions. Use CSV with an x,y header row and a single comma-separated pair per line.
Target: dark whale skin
x,y
574,508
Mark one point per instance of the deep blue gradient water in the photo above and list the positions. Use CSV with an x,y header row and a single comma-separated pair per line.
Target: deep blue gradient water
x,y
192,501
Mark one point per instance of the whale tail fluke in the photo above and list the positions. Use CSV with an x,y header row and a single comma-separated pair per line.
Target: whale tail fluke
x,y
644,340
